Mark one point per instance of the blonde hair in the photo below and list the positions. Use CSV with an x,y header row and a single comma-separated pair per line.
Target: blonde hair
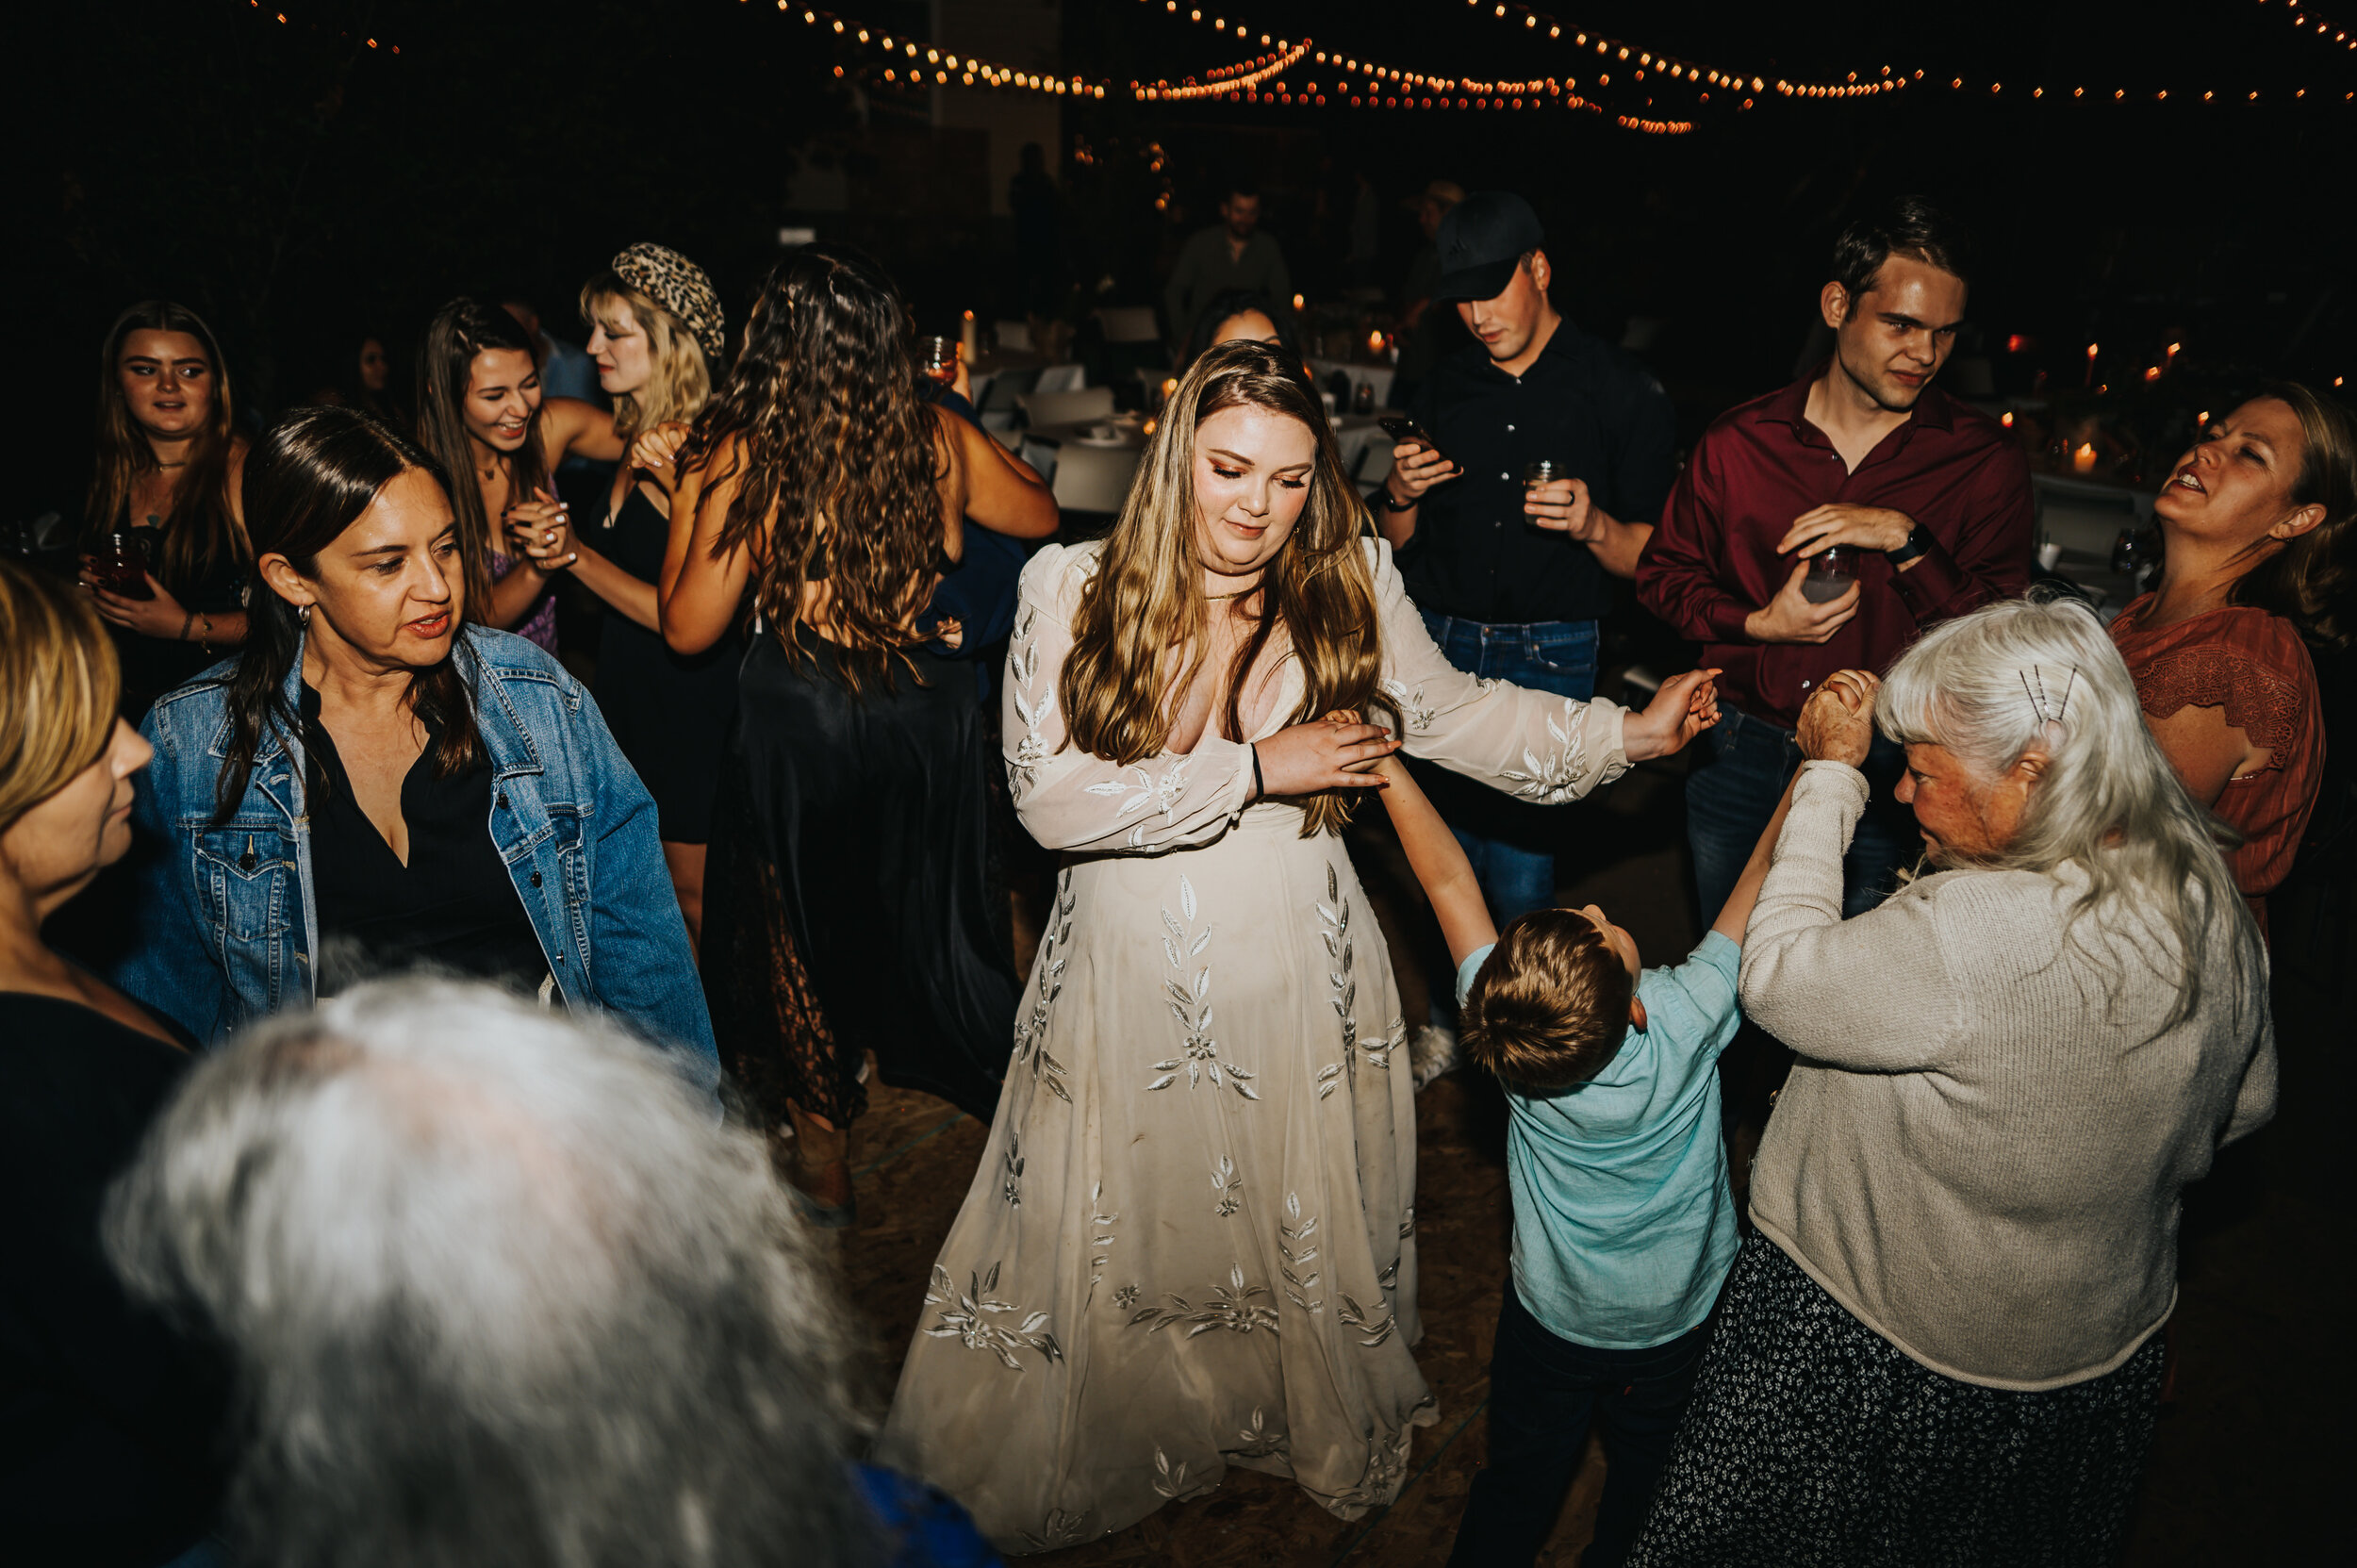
x,y
1550,1007
58,686
679,383
1145,605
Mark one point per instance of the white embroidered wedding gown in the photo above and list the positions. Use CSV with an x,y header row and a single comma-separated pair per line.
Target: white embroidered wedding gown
x,y
1191,1242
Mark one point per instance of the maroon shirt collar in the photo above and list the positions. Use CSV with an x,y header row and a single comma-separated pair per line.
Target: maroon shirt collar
x,y
1932,411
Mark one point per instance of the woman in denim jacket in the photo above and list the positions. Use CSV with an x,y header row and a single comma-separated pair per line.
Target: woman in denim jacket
x,y
373,783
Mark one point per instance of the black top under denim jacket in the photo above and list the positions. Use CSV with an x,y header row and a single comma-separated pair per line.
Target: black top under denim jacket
x,y
453,908
1597,412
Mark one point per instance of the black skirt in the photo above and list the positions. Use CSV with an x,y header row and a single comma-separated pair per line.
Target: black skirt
x,y
1814,1441
848,900
670,712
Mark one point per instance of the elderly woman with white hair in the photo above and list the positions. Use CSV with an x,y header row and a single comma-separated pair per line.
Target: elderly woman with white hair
x,y
1942,1343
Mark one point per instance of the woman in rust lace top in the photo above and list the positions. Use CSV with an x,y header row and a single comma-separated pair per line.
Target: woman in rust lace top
x,y
2257,523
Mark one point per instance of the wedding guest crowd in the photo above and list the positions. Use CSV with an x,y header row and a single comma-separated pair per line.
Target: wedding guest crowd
x,y
484,1046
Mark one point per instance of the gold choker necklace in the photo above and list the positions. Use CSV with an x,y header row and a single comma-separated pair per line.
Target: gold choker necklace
x,y
1218,598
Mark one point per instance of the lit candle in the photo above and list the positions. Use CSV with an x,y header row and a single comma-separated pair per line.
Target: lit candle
x,y
1375,342
2083,460
2090,377
1298,304
968,342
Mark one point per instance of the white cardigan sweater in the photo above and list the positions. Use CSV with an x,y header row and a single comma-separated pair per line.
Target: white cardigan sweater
x,y
1980,1150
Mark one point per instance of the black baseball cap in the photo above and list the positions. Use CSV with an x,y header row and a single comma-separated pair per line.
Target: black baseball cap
x,y
1482,240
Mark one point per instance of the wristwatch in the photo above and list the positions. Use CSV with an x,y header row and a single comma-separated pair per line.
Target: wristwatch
x,y
1392,504
1919,540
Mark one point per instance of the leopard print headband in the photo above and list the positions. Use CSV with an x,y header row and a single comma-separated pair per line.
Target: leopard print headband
x,y
680,287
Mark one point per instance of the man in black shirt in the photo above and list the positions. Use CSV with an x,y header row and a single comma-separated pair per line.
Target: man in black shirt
x,y
1511,579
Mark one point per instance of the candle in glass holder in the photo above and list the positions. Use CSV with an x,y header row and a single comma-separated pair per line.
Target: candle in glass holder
x,y
2083,460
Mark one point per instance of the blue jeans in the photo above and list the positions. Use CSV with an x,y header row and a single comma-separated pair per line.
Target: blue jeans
x,y
1544,1391
1729,803
1511,843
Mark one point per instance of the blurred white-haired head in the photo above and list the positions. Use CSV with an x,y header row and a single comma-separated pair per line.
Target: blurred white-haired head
x,y
2040,677
500,1292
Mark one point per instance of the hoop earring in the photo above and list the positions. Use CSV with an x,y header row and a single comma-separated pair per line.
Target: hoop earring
x,y
302,617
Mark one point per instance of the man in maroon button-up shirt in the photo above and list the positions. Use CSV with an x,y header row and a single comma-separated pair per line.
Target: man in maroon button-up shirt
x,y
1932,495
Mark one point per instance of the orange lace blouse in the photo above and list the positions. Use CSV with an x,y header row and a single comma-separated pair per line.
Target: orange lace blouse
x,y
2255,665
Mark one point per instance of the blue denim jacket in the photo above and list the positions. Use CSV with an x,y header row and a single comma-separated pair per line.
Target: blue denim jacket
x,y
227,921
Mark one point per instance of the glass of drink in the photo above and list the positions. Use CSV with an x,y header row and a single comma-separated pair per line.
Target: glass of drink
x,y
1830,573
937,357
119,564
1541,470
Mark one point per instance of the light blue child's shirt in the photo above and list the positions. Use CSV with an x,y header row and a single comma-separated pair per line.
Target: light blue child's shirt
x,y
1624,1221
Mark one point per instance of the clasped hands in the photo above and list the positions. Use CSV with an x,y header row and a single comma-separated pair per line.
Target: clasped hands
x,y
541,532
1340,751
1790,617
1838,720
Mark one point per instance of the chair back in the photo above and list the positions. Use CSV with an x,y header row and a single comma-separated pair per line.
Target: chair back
x,y
1089,403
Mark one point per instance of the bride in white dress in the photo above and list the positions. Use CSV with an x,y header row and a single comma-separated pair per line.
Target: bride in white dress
x,y
1191,1242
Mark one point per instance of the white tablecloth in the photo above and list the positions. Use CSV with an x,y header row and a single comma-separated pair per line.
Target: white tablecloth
x,y
1090,477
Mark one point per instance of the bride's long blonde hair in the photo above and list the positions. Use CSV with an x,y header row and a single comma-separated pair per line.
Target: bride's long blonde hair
x,y
1141,631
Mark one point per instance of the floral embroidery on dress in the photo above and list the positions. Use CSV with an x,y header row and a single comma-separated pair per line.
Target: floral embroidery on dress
x,y
1334,929
1169,1479
1010,1186
1411,705
1189,1000
1228,1185
1059,1530
1097,1264
1387,1466
1379,1054
1376,1324
1234,1306
965,1318
1127,1296
1160,791
1558,778
1297,1240
1258,1442
1407,1223
1034,707
1031,1032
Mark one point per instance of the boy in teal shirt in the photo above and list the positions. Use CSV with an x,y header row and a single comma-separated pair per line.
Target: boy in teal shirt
x,y
1624,1220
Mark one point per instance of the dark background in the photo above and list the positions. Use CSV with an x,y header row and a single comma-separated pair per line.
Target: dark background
x,y
300,188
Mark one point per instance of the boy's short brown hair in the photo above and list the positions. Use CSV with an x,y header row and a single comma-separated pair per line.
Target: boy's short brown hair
x,y
1550,1007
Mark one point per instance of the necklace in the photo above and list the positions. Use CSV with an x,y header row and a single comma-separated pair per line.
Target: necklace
x,y
1219,598
181,464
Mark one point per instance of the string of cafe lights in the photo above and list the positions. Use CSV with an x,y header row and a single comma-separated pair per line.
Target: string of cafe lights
x,y
1380,86
256,5
1694,74
2312,25
928,65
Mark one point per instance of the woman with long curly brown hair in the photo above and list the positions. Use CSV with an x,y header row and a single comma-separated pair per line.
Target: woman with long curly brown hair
x,y
1191,1244
844,902
169,463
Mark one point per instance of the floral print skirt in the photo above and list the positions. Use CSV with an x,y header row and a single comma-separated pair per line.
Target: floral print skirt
x,y
1814,1441
1191,1241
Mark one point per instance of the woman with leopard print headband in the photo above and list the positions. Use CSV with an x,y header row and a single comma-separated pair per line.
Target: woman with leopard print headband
x,y
658,335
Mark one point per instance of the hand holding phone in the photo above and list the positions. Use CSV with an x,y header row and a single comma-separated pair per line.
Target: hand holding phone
x,y
1417,464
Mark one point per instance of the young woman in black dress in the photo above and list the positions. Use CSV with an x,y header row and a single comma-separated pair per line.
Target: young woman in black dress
x,y
847,906
106,1454
658,340
169,466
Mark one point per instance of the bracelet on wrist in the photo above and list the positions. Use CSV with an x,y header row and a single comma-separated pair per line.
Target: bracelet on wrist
x,y
1392,502
186,622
